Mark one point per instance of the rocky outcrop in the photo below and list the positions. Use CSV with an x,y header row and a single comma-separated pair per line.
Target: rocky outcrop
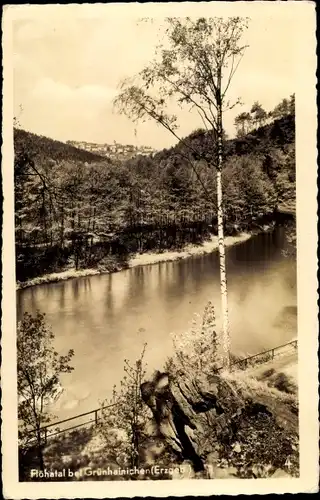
x,y
207,421
184,408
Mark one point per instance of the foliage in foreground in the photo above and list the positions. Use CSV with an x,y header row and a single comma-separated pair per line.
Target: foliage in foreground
x,y
262,435
267,437
39,367
197,350
123,425
262,439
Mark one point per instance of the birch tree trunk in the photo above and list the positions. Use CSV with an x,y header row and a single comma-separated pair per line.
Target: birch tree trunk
x,y
221,242
223,276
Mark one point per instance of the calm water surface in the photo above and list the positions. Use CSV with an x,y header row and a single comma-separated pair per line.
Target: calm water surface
x,y
107,318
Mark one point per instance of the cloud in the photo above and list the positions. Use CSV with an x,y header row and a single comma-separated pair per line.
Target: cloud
x,y
48,89
63,112
69,61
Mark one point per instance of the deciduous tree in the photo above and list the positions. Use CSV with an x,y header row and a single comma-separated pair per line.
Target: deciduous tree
x,y
39,369
194,69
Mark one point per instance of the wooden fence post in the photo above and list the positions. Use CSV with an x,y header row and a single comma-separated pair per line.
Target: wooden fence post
x,y
96,416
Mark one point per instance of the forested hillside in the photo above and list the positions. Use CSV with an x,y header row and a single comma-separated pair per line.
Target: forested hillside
x,y
76,209
41,148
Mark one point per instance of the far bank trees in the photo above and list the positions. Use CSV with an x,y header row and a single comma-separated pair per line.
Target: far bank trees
x,y
259,115
247,122
194,69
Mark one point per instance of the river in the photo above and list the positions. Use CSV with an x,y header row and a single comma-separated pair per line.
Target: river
x,y
107,318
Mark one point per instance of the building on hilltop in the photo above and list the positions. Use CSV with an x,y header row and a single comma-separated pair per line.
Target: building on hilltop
x,y
114,151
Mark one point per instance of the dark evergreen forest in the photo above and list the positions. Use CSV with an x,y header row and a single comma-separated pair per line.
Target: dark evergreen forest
x,y
74,209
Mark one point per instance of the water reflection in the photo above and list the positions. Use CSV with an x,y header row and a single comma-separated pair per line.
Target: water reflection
x,y
107,318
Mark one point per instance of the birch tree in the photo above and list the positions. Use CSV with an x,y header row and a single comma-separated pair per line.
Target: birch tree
x,y
193,67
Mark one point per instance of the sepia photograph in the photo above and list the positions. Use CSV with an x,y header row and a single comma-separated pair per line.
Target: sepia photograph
x,y
157,208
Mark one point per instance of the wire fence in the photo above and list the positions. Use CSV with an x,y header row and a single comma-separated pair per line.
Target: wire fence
x,y
54,429
265,356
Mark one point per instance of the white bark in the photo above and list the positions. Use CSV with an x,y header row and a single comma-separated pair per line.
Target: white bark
x,y
223,276
221,243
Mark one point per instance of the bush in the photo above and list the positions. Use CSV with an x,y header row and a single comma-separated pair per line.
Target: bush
x,y
123,427
284,383
198,350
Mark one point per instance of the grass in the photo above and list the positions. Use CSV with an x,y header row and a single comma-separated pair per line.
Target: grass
x,y
247,382
280,381
266,440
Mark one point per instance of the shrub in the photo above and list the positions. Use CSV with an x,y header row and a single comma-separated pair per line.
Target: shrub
x,y
284,384
123,427
197,351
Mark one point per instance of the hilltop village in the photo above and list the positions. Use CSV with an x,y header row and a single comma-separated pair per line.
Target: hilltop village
x,y
115,151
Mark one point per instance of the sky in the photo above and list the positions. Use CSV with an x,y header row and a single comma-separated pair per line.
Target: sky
x,y
68,62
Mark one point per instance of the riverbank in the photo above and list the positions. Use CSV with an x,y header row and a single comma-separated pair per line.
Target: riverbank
x,y
189,251
138,260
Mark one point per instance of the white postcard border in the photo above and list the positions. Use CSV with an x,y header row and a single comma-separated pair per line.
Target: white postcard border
x,y
306,160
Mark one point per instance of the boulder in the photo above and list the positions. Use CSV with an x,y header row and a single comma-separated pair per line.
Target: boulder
x,y
183,408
